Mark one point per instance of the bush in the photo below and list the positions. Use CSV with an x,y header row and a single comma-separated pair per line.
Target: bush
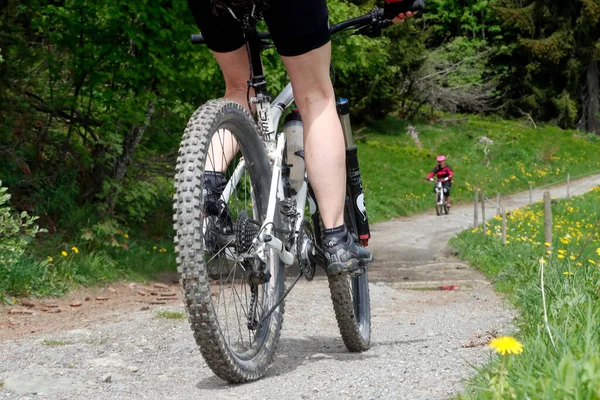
x,y
16,231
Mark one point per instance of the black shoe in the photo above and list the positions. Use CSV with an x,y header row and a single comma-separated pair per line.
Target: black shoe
x,y
217,216
346,256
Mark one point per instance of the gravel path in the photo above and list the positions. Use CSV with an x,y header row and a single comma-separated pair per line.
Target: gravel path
x,y
424,341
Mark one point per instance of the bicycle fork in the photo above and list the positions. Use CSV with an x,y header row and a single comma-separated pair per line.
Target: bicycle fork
x,y
353,178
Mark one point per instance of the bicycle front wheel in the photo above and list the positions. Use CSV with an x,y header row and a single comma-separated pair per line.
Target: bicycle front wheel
x,y
351,300
214,237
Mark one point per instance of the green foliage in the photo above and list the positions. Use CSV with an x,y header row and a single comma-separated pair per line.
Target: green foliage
x,y
571,284
16,231
103,234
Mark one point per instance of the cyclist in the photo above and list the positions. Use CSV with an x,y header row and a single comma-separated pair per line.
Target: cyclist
x,y
444,173
300,31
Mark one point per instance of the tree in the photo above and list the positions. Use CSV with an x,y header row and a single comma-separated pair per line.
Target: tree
x,y
559,44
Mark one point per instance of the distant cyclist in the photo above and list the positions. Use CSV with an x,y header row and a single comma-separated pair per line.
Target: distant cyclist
x,y
444,173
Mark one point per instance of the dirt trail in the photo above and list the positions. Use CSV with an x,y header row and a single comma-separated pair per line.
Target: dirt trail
x,y
424,341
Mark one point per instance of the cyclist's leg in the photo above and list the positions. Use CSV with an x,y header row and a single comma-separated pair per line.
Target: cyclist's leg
x,y
224,37
323,137
300,32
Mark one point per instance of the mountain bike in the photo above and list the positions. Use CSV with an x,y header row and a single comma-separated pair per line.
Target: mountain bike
x,y
441,205
233,253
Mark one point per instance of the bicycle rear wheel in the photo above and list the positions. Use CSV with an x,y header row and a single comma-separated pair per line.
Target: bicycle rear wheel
x,y
220,299
438,206
351,300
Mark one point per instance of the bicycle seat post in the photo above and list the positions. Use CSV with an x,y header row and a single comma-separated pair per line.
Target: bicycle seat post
x,y
254,47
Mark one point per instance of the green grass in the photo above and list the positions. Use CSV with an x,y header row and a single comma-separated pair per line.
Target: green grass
x,y
572,283
170,315
56,343
45,271
394,169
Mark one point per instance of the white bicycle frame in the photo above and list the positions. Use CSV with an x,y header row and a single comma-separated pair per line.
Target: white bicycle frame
x,y
268,121
439,188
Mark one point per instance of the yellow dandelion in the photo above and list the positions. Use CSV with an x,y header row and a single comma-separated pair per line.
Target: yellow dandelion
x,y
579,264
163,250
572,257
50,259
547,244
560,256
542,261
598,251
64,253
568,273
126,236
153,247
75,249
592,262
506,344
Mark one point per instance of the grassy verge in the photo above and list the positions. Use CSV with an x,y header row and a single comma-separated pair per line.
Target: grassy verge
x,y
53,267
394,168
572,368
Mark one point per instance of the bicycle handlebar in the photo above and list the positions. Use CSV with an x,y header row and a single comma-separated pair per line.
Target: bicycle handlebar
x,y
374,19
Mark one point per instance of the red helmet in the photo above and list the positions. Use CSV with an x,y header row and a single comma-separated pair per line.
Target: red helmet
x,y
441,158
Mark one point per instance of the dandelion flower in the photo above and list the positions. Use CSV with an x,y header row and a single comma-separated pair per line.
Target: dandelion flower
x,y
153,247
506,344
64,253
542,261
572,257
126,236
75,249
598,251
568,273
592,262
579,264
560,256
547,244
50,259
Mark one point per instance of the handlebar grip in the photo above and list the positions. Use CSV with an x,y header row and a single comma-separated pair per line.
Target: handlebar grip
x,y
198,39
395,7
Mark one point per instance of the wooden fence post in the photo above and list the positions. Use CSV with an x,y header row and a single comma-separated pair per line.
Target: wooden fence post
x,y
498,209
475,217
548,220
530,194
503,226
483,212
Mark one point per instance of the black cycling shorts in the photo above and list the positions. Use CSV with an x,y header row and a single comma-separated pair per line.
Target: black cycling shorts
x,y
297,26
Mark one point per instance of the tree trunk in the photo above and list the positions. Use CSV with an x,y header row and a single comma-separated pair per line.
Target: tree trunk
x,y
130,144
589,121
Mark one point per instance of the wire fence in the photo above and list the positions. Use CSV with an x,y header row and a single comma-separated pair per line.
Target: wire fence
x,y
480,200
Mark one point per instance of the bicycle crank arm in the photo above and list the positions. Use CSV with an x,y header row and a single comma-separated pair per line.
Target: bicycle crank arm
x,y
271,241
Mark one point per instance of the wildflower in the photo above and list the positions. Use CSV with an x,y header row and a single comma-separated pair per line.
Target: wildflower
x,y
579,264
547,244
568,273
163,250
50,259
75,249
572,257
561,256
64,253
126,236
153,247
506,344
542,261
592,262
598,251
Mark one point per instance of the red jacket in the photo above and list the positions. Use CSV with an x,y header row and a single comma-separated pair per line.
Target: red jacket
x,y
441,172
